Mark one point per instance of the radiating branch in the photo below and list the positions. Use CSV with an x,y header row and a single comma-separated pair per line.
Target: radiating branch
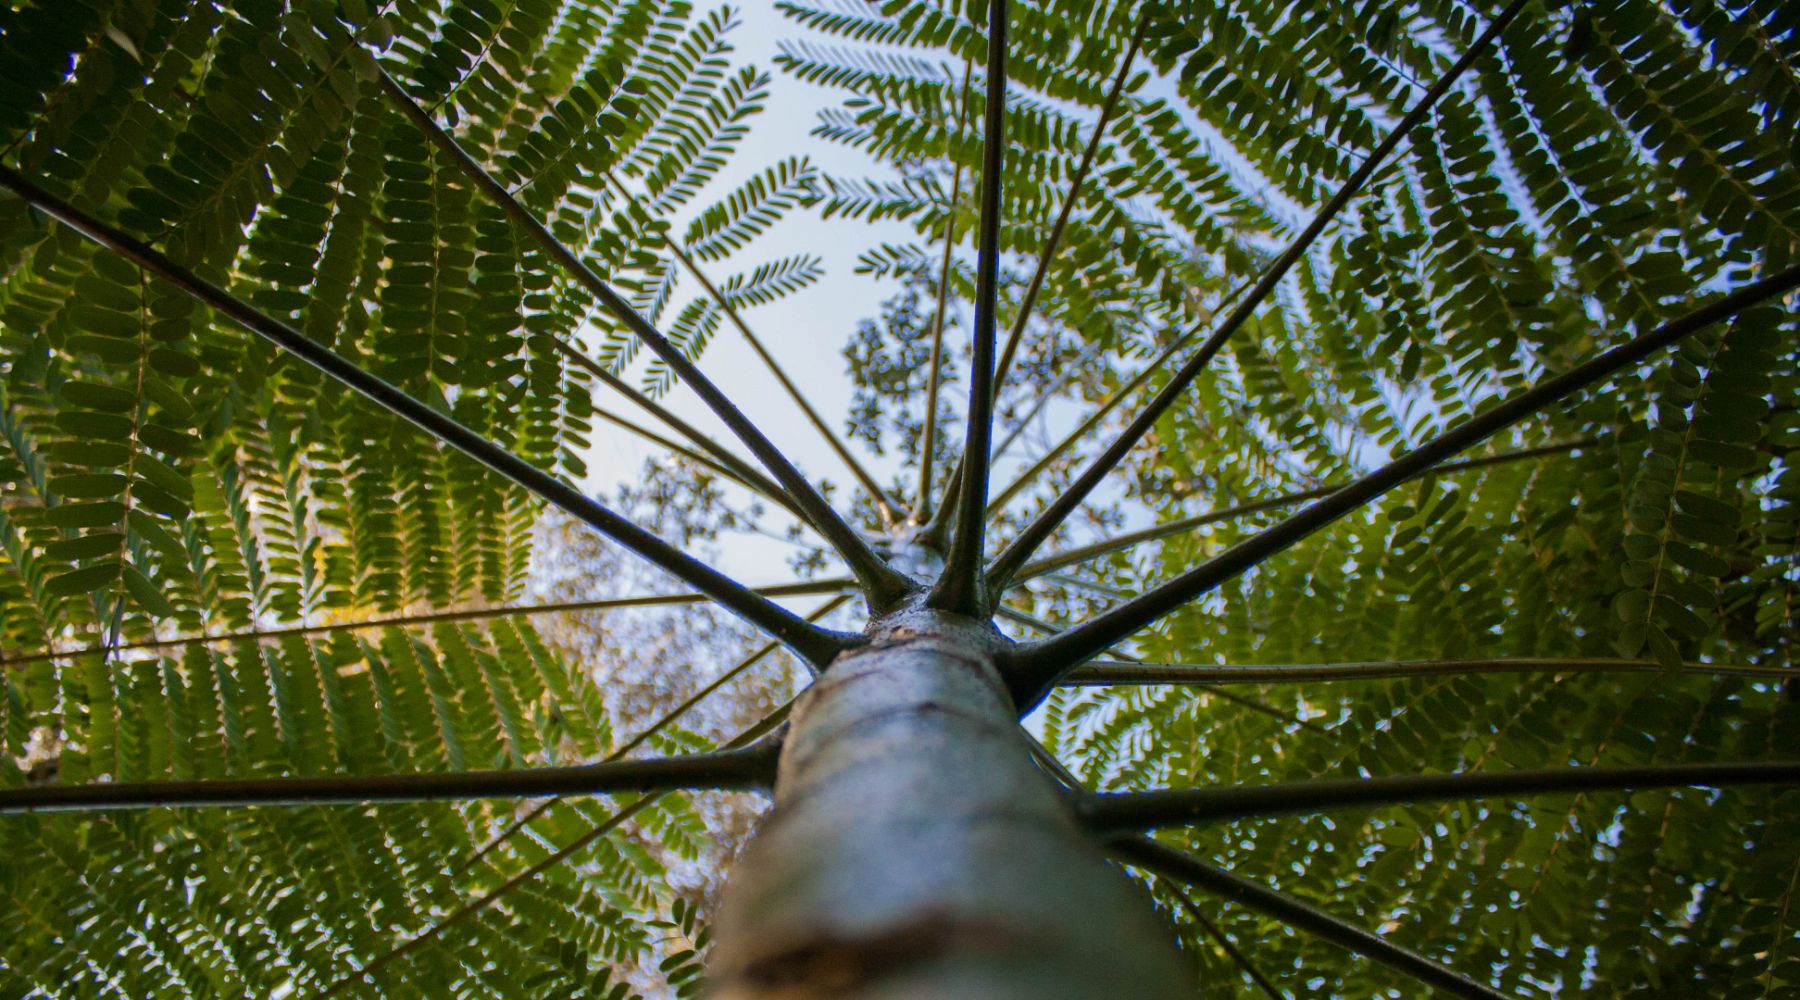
x,y
705,442
922,512
668,718
1166,861
1113,812
567,851
1051,766
813,643
1102,673
1285,717
1047,661
1093,420
1157,532
1051,392
753,767
922,507
883,584
1029,301
1218,937
778,496
883,503
1070,197
959,588
1091,586
1033,535
1169,863
737,670
426,618
487,899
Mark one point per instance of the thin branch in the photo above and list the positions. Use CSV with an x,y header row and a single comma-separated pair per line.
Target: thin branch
x,y
749,768
1046,661
1285,717
1241,960
1035,285
922,509
1116,812
482,902
659,725
882,583
716,683
809,641
1053,767
1052,391
1155,857
882,501
1106,407
428,618
1091,586
779,497
705,442
1092,420
1157,532
1021,548
1110,672
1078,793
958,589
1079,177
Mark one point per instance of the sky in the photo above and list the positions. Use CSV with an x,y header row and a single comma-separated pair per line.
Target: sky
x,y
806,332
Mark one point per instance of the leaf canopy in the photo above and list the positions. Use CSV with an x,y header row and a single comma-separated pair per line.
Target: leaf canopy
x,y
1599,171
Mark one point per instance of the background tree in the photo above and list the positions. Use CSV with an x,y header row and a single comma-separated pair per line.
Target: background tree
x,y
1371,426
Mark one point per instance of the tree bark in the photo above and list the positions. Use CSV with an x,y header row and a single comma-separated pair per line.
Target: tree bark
x,y
914,850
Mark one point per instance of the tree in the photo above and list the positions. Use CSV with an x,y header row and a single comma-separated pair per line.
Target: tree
x,y
1436,363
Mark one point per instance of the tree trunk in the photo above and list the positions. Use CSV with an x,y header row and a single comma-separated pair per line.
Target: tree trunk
x,y
914,850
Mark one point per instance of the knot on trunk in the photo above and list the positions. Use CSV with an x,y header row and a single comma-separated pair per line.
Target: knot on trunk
x,y
834,965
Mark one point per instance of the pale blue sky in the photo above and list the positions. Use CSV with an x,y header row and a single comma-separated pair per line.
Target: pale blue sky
x,y
806,331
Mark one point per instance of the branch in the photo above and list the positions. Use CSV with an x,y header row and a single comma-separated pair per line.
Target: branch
x,y
753,767
928,438
1023,315
568,850
1115,812
776,496
1068,205
883,584
959,587
810,642
1034,534
428,618
1212,931
882,503
1091,586
659,725
1152,856
1051,392
1101,673
705,442
1118,543
1048,660
922,507
1287,718
483,901
1093,420
1164,861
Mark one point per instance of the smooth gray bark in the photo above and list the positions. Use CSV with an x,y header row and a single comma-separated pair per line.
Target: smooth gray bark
x,y
915,852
